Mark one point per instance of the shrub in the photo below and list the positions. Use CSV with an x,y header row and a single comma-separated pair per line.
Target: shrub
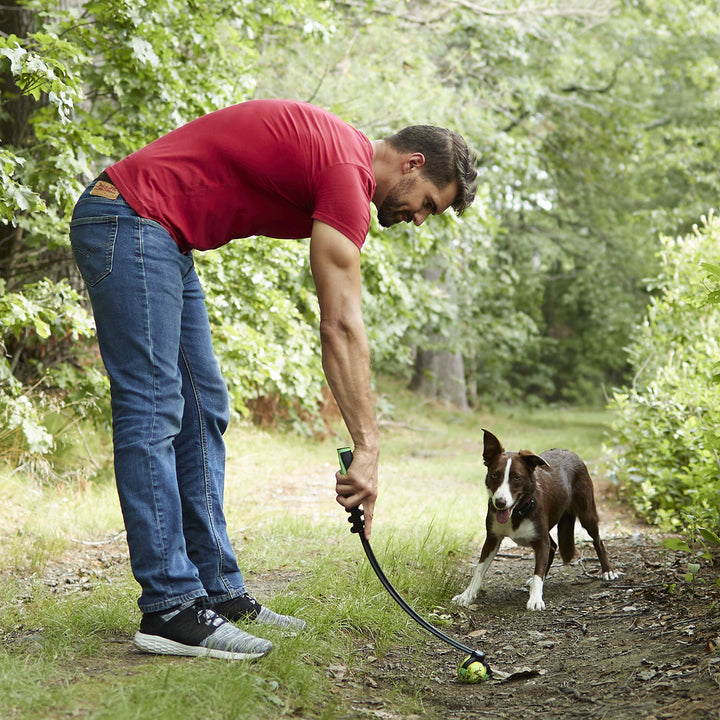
x,y
668,421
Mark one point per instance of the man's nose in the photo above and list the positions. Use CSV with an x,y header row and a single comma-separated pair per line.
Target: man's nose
x,y
420,216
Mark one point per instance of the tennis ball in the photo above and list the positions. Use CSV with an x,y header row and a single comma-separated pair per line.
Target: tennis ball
x,y
472,670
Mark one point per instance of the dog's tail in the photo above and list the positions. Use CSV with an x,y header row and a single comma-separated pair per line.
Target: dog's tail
x,y
566,537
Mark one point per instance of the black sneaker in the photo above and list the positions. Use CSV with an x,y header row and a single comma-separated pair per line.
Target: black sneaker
x,y
197,631
245,608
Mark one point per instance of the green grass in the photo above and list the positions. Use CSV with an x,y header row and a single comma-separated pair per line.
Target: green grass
x,y
66,653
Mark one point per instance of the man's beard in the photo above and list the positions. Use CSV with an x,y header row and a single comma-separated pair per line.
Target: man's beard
x,y
390,211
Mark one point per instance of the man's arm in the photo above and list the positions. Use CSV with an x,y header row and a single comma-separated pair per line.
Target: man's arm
x,y
335,265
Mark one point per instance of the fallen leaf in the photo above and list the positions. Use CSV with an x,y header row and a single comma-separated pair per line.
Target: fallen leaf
x,y
477,633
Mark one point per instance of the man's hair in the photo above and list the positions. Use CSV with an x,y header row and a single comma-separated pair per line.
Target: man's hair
x,y
447,158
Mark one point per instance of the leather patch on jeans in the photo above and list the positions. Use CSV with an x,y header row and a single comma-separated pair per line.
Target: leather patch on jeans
x,y
105,189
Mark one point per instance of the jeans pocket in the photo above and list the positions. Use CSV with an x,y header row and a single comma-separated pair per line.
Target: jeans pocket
x,y
93,244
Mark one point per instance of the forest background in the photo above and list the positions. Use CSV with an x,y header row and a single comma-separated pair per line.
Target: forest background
x,y
585,274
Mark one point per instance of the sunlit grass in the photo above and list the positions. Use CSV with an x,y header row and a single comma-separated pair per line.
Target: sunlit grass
x,y
42,522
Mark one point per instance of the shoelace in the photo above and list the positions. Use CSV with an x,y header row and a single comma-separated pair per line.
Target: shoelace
x,y
206,616
254,604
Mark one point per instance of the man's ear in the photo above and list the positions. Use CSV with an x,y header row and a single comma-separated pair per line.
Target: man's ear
x,y
413,161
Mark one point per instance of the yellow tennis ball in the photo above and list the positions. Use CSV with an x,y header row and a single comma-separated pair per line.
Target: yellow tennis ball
x,y
472,670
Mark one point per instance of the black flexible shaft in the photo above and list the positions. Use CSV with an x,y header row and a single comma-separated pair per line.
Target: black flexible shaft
x,y
358,526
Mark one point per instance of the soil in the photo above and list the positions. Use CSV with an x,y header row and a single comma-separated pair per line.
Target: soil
x,y
642,647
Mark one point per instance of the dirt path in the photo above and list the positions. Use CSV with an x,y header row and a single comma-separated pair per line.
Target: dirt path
x,y
641,647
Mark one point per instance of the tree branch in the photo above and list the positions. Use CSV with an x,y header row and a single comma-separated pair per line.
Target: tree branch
x,y
597,90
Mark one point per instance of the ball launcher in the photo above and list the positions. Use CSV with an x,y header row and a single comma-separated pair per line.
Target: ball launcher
x,y
474,668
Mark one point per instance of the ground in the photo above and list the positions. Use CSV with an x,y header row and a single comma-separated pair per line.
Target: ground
x,y
628,649
642,647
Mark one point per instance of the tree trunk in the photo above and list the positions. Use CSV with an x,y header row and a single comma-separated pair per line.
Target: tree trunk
x,y
14,118
16,107
440,374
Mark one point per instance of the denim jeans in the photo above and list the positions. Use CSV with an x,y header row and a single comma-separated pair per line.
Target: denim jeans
x,y
169,403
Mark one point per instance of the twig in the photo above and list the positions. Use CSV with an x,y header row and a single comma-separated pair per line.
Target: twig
x,y
642,369
87,448
582,697
97,543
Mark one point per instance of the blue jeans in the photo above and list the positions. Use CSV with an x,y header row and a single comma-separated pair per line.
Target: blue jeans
x,y
169,403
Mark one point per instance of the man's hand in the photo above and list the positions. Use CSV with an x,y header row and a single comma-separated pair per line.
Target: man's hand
x,y
359,485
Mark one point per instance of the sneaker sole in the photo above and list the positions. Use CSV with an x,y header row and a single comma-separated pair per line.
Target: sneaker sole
x,y
162,646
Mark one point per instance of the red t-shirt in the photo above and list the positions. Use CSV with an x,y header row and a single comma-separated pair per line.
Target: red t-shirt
x,y
263,167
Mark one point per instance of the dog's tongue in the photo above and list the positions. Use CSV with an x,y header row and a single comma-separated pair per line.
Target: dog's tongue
x,y
503,516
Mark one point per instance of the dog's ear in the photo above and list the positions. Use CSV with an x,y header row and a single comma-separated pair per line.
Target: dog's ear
x,y
532,460
491,447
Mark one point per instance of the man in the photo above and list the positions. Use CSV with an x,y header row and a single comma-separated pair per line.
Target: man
x,y
261,168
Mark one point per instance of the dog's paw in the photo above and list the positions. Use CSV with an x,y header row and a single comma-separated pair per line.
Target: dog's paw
x,y
462,599
610,575
536,594
536,604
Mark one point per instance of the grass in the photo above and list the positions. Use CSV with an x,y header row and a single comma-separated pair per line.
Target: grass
x,y
65,652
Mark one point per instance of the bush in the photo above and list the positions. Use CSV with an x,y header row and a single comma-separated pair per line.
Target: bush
x,y
668,422
45,327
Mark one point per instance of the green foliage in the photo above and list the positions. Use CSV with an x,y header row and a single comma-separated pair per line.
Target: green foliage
x,y
265,327
578,113
35,324
15,197
705,540
449,285
412,280
37,63
668,427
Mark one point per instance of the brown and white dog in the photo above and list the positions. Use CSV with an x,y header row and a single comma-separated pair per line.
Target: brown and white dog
x,y
528,495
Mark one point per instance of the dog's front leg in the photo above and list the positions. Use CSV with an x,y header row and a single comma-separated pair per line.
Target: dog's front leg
x,y
541,548
487,555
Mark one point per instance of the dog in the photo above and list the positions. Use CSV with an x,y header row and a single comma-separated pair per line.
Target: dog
x,y
528,496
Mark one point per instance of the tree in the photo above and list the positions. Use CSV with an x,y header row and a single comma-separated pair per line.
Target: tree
x,y
84,85
591,147
439,374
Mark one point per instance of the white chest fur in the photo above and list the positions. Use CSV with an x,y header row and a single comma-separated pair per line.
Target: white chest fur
x,y
523,535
